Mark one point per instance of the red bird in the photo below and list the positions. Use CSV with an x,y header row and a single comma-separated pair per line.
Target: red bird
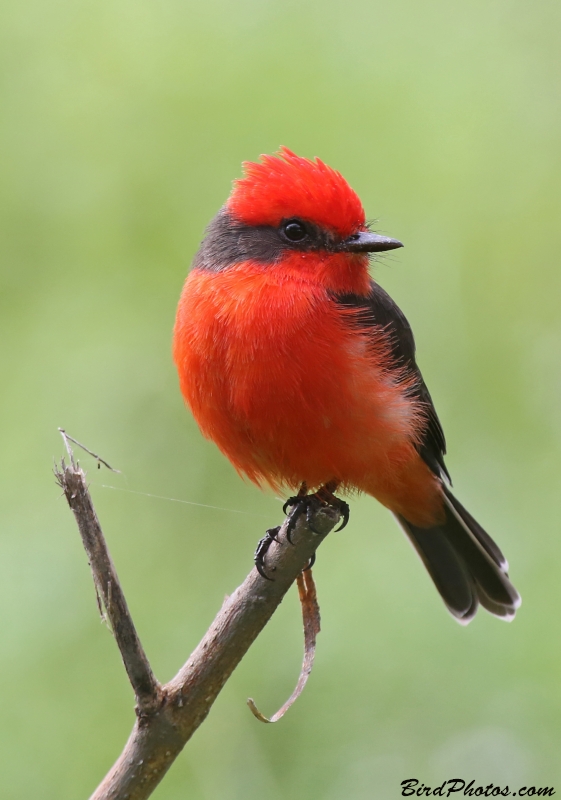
x,y
302,369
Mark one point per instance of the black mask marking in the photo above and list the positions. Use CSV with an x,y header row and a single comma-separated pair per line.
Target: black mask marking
x,y
228,241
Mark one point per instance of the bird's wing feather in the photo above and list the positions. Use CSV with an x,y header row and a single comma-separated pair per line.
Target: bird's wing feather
x,y
377,311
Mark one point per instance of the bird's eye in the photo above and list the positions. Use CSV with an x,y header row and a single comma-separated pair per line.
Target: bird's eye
x,y
294,230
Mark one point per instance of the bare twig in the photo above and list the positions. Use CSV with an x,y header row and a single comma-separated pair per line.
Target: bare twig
x,y
168,715
67,438
311,618
146,688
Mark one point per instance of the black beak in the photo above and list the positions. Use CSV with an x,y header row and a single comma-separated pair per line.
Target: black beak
x,y
367,242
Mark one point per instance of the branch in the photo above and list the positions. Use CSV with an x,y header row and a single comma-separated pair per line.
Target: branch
x,y
146,688
168,715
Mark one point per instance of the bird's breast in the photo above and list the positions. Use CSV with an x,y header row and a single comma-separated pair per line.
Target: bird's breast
x,y
280,377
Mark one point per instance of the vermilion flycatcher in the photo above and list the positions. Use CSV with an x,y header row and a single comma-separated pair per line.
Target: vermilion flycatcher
x,y
302,369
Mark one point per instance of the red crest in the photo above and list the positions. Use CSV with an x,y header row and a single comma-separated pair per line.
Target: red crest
x,y
285,185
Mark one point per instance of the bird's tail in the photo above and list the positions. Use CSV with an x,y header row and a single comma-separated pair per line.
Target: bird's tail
x,y
465,564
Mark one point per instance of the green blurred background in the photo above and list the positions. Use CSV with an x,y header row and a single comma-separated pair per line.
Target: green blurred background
x,y
122,126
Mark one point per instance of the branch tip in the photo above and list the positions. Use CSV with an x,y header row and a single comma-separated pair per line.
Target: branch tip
x,y
67,438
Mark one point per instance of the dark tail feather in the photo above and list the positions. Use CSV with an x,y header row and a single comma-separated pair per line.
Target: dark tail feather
x,y
465,564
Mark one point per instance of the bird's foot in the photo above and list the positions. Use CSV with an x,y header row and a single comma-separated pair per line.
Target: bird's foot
x,y
325,494
311,502
261,551
300,504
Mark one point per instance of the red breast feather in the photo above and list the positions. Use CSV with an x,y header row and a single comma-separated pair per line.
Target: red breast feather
x,y
282,382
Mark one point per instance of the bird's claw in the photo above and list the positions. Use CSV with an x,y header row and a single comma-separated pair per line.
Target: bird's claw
x,y
298,504
292,501
308,503
261,551
345,512
311,563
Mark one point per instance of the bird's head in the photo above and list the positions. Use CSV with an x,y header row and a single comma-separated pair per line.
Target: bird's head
x,y
293,212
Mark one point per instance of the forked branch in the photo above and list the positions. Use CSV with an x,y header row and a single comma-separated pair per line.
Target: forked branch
x,y
169,714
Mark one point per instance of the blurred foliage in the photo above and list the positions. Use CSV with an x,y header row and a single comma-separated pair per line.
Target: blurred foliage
x,y
122,126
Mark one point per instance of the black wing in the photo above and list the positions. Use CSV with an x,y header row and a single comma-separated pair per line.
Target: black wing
x,y
378,310
465,564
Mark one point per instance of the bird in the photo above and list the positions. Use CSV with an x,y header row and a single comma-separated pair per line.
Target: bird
x,y
302,370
